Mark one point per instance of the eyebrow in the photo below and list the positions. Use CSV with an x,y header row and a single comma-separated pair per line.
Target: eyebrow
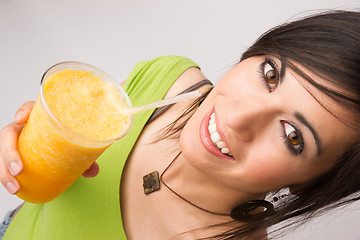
x,y
302,119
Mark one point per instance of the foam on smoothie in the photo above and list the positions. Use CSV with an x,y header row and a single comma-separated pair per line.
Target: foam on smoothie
x,y
86,104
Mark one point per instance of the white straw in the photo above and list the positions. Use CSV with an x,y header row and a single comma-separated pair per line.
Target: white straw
x,y
167,101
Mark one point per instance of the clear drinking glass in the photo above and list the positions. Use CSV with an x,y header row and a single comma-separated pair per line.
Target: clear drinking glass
x,y
63,137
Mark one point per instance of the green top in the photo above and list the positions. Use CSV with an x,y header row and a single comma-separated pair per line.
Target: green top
x,y
90,208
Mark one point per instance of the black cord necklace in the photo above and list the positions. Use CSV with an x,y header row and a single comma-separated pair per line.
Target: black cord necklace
x,y
151,183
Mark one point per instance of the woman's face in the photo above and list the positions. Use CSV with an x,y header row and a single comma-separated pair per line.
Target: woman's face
x,y
274,132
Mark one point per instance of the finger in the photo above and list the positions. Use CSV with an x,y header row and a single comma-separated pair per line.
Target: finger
x,y
9,181
8,149
22,114
92,171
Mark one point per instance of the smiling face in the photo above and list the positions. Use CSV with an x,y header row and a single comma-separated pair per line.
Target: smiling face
x,y
258,131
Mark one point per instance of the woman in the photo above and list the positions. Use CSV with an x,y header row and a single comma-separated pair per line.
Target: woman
x,y
286,117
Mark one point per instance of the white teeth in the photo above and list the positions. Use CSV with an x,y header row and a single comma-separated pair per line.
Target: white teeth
x,y
215,136
212,128
221,144
225,150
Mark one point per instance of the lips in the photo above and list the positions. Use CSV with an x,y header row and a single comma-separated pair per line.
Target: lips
x,y
211,138
215,136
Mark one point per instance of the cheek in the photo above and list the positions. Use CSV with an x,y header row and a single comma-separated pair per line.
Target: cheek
x,y
187,139
268,172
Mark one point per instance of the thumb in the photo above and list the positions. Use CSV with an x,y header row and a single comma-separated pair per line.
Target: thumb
x,y
22,114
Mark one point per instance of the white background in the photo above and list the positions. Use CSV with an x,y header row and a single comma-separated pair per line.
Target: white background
x,y
114,34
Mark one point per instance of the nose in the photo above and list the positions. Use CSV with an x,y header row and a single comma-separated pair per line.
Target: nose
x,y
253,116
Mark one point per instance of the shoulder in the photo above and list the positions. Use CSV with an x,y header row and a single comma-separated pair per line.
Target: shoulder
x,y
187,79
170,73
179,71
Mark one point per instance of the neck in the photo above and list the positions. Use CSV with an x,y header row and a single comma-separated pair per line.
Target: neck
x,y
200,192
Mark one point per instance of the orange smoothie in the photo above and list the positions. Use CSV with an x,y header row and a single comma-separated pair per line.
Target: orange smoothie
x,y
75,118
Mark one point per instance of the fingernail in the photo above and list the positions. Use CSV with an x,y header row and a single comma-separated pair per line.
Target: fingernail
x,y
19,115
10,186
14,168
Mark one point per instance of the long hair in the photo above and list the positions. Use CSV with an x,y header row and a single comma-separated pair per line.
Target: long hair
x,y
327,44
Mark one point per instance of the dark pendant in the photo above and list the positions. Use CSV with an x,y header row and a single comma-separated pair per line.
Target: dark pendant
x,y
151,182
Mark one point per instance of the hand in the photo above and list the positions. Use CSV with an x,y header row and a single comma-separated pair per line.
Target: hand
x,y
10,161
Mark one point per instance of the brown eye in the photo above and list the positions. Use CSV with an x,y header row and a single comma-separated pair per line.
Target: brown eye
x,y
293,137
270,76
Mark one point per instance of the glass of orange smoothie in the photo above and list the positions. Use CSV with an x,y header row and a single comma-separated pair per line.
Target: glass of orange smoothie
x,y
77,115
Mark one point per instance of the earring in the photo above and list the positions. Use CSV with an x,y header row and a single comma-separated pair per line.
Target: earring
x,y
279,197
241,212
